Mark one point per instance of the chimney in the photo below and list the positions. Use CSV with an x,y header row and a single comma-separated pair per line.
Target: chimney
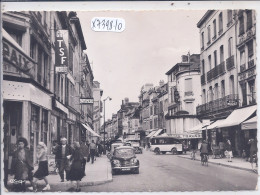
x,y
188,57
184,58
126,100
161,83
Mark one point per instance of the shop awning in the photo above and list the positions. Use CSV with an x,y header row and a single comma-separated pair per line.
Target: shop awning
x,y
238,116
197,127
157,132
151,134
215,124
249,124
90,130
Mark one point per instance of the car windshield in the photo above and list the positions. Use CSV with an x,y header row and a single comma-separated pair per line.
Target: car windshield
x,y
124,152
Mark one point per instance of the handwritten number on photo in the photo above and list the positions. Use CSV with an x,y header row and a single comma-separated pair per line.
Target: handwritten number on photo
x,y
105,24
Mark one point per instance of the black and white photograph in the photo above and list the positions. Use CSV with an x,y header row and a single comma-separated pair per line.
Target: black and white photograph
x,y
129,100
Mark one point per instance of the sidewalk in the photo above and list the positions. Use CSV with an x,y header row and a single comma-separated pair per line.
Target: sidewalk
x,y
237,163
97,173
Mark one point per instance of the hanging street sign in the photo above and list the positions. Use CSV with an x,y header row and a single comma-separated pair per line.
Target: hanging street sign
x,y
86,100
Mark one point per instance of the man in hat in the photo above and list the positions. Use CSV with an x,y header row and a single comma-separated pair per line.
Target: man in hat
x,y
62,154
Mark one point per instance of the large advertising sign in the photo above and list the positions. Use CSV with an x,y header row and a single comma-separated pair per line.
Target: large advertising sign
x,y
61,51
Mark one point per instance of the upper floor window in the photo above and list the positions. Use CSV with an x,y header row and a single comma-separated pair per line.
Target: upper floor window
x,y
202,40
188,85
71,57
221,50
214,29
209,60
203,96
203,67
223,88
17,35
232,84
220,20
209,36
242,57
229,17
249,19
250,49
216,91
230,47
215,58
241,25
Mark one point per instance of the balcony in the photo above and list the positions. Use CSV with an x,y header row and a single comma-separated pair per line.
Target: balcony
x,y
216,71
220,32
218,104
202,79
251,63
230,63
214,38
242,67
188,93
229,23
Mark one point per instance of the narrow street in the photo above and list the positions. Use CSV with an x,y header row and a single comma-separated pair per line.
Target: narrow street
x,y
171,173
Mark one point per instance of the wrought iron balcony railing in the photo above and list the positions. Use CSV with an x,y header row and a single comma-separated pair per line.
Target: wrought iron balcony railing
x,y
218,104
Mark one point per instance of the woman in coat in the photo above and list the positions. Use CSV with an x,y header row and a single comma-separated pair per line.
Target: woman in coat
x,y
76,172
22,165
42,171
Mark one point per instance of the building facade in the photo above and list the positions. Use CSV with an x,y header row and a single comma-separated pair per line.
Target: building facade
x,y
46,101
228,65
97,107
183,95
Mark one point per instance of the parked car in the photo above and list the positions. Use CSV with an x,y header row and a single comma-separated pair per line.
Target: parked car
x,y
123,159
135,144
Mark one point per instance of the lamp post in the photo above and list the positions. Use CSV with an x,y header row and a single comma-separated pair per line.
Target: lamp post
x,y
109,98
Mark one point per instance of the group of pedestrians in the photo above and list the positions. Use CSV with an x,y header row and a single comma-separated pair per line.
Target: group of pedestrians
x,y
70,161
22,166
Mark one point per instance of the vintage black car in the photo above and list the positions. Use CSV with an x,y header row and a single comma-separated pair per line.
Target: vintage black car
x,y
124,160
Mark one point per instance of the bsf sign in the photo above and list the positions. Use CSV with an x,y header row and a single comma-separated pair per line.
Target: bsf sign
x,y
61,49
86,100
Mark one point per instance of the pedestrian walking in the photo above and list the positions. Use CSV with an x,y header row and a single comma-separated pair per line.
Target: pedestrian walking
x,y
204,149
63,151
76,171
22,165
85,152
229,150
42,171
253,152
93,149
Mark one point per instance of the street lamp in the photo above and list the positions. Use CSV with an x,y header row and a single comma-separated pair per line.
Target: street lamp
x,y
108,98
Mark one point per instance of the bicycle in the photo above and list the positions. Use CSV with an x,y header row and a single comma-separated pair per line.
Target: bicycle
x,y
204,160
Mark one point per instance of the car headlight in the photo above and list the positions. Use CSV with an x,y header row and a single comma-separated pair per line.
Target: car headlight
x,y
116,162
133,160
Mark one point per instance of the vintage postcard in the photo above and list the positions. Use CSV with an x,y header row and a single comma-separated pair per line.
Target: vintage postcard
x,y
129,100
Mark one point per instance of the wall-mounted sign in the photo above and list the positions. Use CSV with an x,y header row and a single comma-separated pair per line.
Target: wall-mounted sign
x,y
17,59
61,69
61,48
86,100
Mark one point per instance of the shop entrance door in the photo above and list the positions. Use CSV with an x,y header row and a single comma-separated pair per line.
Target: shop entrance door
x,y
12,128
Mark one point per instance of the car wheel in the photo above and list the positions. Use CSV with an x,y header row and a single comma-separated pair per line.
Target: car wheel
x,y
137,171
174,151
157,151
164,152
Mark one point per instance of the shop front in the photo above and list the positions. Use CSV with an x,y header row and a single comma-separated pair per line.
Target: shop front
x,y
231,128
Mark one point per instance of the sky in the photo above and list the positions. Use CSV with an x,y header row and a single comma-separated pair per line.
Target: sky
x,y
152,43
